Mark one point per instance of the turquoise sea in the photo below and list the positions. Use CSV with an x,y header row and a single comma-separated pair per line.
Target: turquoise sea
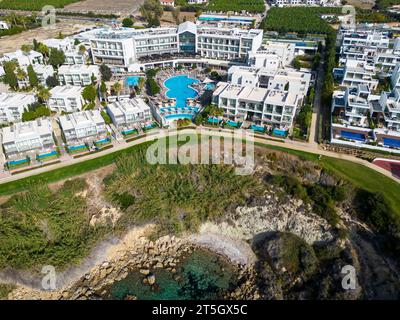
x,y
200,275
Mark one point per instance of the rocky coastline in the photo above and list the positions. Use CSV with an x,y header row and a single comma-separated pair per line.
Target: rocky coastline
x,y
136,252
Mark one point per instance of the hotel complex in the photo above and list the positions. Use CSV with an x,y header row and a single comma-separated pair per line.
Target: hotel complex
x,y
253,82
124,47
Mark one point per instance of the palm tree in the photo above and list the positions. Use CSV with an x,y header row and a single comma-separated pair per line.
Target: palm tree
x,y
26,48
21,74
43,49
117,88
43,94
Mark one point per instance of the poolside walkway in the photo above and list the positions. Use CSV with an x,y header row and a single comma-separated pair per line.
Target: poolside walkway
x,y
294,145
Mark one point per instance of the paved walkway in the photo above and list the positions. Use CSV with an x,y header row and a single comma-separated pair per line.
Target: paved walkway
x,y
294,145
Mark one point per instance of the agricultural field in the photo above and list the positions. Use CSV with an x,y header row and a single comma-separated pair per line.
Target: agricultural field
x,y
120,7
254,6
35,5
302,20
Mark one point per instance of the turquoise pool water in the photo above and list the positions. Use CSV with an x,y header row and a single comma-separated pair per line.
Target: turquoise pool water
x,y
257,128
129,131
179,88
213,120
202,275
46,155
132,81
73,148
149,126
279,132
232,123
178,116
102,141
16,162
209,86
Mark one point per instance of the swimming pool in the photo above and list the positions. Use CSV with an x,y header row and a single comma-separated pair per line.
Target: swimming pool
x,y
179,88
232,123
179,116
394,143
352,135
132,81
279,132
46,155
78,147
209,86
257,128
17,162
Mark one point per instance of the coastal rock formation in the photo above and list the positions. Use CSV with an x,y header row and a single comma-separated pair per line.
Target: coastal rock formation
x,y
273,215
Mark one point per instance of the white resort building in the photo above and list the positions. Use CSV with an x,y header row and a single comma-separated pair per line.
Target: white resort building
x,y
124,46
129,114
28,139
24,59
77,75
42,72
85,127
257,105
12,106
66,99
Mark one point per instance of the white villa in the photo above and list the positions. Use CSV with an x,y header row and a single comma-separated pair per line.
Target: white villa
x,y
66,99
77,75
28,139
83,127
359,72
287,79
24,60
128,114
260,106
42,72
12,106
71,51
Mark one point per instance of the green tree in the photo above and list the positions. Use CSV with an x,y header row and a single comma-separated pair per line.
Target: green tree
x,y
127,23
82,49
151,11
21,74
105,72
10,78
117,88
103,90
56,58
43,49
33,79
89,93
106,117
43,94
52,82
26,48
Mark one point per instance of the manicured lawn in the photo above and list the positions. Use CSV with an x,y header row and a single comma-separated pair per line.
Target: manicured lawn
x,y
365,178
